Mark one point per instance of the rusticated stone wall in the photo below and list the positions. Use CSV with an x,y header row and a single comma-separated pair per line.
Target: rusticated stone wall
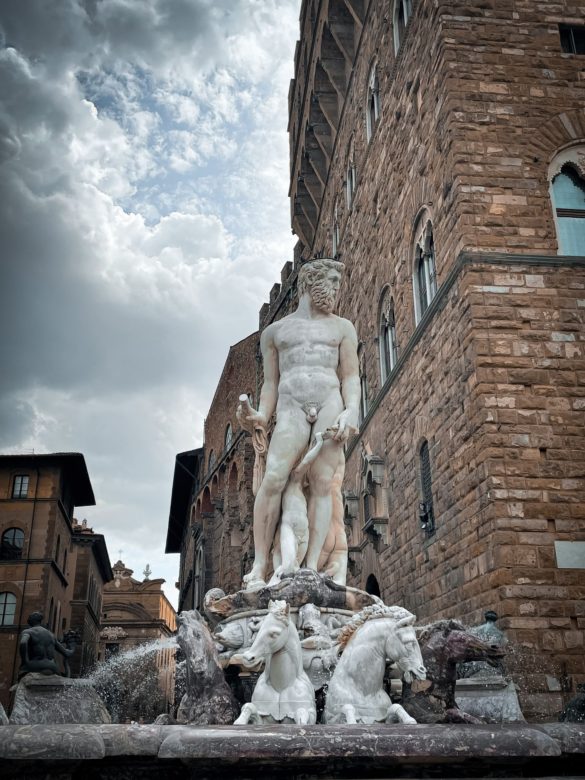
x,y
494,380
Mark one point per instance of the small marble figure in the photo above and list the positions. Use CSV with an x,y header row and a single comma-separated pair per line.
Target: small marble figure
x,y
311,381
293,534
283,693
376,635
37,646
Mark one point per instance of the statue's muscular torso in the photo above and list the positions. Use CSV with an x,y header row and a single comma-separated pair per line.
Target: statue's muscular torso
x,y
308,358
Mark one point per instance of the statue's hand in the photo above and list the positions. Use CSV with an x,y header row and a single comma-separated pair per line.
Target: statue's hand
x,y
248,417
255,418
345,425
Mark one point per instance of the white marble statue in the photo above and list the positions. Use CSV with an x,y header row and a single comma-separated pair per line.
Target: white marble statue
x,y
376,635
311,380
283,693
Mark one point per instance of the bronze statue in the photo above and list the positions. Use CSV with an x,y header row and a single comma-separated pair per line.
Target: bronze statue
x,y
37,647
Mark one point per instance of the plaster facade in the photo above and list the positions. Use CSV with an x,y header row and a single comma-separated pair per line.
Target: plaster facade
x,y
55,560
134,613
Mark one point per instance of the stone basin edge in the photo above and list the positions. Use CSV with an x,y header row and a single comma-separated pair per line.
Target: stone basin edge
x,y
276,743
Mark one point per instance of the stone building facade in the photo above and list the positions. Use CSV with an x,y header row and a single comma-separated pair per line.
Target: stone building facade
x,y
438,150
432,145
48,562
136,613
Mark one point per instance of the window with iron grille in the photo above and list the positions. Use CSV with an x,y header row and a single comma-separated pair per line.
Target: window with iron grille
x,y
572,38
373,103
425,274
12,544
426,513
387,340
401,15
20,486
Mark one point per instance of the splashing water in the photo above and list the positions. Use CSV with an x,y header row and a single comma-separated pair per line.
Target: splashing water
x,y
129,682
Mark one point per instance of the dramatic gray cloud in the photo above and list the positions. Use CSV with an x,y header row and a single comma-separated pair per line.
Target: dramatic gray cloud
x,y
143,218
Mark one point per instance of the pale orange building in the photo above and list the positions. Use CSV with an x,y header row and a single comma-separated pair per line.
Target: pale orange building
x,y
134,613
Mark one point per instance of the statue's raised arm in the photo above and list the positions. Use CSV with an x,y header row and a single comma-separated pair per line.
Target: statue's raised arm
x,y
311,381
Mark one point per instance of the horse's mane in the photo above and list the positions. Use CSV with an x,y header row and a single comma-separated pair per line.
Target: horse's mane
x,y
370,613
424,633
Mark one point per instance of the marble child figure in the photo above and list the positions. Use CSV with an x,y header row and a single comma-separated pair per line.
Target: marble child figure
x,y
311,380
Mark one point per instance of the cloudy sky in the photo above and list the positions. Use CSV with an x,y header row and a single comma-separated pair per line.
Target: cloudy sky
x,y
143,219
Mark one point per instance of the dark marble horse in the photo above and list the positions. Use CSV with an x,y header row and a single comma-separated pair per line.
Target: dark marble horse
x,y
443,645
208,699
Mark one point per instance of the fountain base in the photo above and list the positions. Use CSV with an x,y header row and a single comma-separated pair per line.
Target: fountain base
x,y
143,752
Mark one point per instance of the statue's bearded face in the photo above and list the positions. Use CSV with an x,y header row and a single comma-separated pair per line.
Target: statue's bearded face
x,y
324,290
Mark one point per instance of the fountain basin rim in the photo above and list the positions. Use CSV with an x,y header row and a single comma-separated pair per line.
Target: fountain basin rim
x,y
386,744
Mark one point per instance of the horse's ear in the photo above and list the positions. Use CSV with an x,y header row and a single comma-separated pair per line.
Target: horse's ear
x,y
287,609
406,621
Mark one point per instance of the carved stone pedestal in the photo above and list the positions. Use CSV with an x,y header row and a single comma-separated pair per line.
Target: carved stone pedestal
x,y
492,699
51,699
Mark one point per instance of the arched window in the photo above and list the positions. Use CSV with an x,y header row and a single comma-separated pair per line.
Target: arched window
x,y
387,338
65,562
425,275
57,549
568,195
12,544
51,611
372,103
363,385
426,513
350,178
211,462
402,13
199,578
369,497
229,436
7,608
335,236
56,617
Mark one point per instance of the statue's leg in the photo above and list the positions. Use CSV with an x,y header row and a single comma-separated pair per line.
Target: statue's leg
x,y
321,501
288,441
288,549
397,714
302,716
349,713
333,559
249,714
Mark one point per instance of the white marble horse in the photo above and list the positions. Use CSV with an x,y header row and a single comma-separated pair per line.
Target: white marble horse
x,y
283,693
376,635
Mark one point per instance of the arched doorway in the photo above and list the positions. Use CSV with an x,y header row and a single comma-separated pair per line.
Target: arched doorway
x,y
372,586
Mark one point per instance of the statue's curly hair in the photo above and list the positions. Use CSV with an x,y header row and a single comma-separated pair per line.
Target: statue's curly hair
x,y
313,269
